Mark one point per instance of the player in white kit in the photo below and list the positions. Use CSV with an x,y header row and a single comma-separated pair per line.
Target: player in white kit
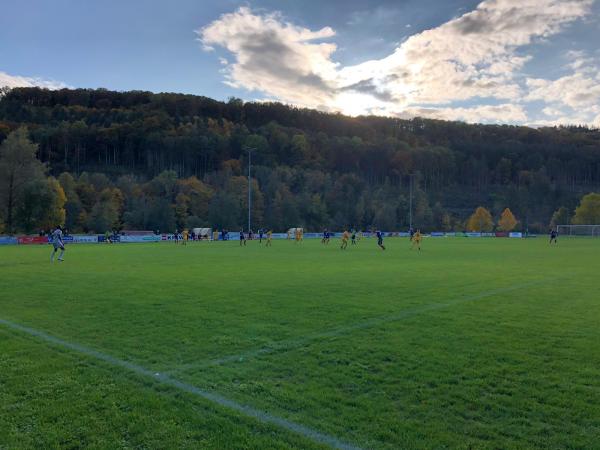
x,y
57,242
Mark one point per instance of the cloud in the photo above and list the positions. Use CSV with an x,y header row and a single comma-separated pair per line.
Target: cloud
x,y
275,57
475,58
577,90
573,98
13,81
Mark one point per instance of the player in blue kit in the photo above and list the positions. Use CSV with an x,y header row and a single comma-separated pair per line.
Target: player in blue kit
x,y
380,239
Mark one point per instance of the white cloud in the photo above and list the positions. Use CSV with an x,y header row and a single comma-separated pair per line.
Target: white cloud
x,y
577,90
13,81
474,57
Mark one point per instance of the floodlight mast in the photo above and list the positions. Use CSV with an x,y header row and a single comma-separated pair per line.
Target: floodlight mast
x,y
249,150
410,177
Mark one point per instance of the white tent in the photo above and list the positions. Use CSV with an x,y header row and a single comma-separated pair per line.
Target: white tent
x,y
203,233
292,232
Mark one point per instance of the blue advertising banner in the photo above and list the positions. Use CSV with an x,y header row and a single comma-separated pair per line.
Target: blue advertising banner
x,y
8,240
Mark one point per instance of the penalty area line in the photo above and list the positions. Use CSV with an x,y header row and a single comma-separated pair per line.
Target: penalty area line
x,y
249,411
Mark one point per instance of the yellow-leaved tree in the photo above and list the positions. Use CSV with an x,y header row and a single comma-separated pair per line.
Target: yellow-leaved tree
x,y
507,221
480,220
588,211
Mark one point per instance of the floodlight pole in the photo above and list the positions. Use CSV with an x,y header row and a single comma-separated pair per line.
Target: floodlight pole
x,y
249,150
410,201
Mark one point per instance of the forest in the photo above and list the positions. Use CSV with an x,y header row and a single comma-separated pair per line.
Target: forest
x,y
98,160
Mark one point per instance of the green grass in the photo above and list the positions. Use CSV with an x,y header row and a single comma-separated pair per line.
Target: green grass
x,y
472,343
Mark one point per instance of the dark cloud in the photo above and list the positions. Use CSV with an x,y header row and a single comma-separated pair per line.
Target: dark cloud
x,y
266,52
368,87
472,24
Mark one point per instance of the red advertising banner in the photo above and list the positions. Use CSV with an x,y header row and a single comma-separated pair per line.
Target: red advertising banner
x,y
32,240
501,234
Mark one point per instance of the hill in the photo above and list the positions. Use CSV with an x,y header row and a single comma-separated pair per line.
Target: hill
x,y
309,167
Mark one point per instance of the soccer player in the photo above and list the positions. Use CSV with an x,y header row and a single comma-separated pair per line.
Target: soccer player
x,y
411,233
298,235
326,237
353,237
260,235
380,239
57,242
242,238
176,237
269,238
186,236
416,240
345,237
553,236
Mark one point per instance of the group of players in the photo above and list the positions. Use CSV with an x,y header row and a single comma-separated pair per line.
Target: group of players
x,y
56,239
268,237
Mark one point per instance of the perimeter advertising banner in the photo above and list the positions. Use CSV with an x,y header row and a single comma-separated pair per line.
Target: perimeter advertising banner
x,y
28,240
8,240
84,239
144,238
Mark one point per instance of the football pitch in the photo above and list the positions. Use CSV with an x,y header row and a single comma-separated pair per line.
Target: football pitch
x,y
471,343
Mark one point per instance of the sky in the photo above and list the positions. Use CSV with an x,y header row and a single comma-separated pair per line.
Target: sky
x,y
529,62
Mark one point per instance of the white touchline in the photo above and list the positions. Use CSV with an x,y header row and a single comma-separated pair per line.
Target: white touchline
x,y
292,344
218,399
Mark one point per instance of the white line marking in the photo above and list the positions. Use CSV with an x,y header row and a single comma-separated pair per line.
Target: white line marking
x,y
293,344
218,399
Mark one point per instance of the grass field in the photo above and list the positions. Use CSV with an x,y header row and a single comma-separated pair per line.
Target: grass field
x,y
472,343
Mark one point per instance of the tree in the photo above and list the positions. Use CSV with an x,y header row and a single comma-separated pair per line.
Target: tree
x,y
480,220
106,213
588,211
41,206
104,216
18,167
560,217
73,206
507,221
182,202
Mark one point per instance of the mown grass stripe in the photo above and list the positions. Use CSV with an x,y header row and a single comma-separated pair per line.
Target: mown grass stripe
x,y
167,380
294,344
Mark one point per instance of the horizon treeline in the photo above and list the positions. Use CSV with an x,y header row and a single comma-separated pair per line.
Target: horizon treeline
x,y
165,161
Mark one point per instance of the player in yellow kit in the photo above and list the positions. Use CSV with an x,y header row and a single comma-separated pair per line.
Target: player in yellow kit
x,y
186,236
416,240
269,238
345,237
